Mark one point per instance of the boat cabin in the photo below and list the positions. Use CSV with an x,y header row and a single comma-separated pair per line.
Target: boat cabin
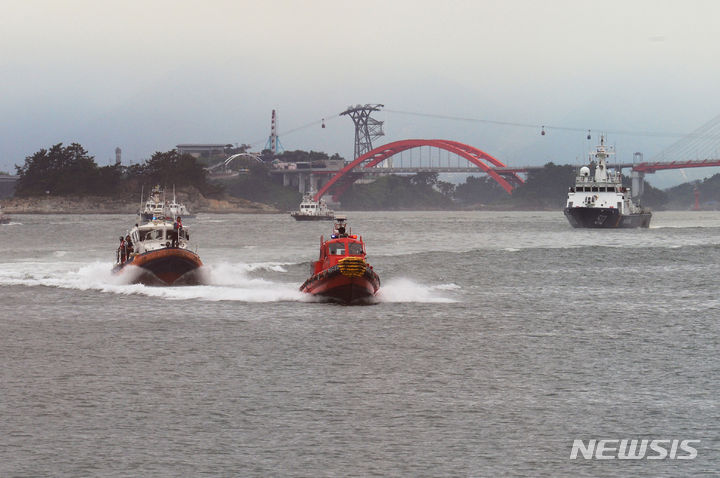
x,y
154,210
341,244
308,208
605,193
155,235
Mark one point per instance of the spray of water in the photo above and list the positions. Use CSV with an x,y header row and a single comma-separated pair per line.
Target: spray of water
x,y
225,282
405,290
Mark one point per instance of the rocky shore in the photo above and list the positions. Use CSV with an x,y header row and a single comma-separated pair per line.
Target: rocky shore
x,y
105,205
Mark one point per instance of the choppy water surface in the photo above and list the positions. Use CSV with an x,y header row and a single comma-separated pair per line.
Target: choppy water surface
x,y
497,339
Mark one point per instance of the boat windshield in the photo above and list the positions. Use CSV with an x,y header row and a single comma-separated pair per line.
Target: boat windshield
x,y
336,248
151,234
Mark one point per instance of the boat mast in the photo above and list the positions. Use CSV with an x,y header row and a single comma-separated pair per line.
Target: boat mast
x,y
142,194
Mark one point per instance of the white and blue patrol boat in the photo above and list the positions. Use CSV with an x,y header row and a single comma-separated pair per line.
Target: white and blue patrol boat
x,y
601,200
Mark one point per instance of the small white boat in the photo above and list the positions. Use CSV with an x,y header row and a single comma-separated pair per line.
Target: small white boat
x,y
311,210
157,206
154,206
178,209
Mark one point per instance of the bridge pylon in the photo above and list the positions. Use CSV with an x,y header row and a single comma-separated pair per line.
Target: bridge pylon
x,y
638,177
366,128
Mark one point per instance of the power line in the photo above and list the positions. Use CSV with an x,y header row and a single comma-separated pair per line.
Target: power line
x,y
314,123
300,128
541,126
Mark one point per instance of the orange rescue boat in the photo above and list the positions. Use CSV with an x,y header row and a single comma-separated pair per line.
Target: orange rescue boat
x,y
341,273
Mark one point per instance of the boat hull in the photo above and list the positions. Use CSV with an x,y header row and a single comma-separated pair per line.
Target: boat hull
x,y
605,218
308,217
334,285
165,267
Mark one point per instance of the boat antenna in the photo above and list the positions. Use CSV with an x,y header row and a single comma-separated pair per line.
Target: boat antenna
x,y
174,202
142,194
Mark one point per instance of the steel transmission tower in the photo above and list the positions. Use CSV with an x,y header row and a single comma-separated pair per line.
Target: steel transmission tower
x,y
366,128
273,142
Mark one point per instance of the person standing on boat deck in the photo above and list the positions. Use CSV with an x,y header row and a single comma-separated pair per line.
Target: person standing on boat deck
x,y
177,226
129,246
121,251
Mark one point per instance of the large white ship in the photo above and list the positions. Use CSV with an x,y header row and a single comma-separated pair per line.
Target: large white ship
x,y
600,200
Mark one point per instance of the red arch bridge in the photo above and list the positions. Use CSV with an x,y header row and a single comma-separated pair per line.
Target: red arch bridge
x,y
379,161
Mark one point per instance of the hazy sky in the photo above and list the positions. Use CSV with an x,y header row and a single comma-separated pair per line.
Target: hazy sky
x,y
147,75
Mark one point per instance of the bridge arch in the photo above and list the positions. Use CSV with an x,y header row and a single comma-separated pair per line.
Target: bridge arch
x,y
226,162
381,153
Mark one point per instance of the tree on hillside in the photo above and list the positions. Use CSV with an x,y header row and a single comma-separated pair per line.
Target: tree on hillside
x,y
446,189
424,179
546,187
396,192
300,156
69,170
61,170
682,196
479,190
243,148
170,168
259,186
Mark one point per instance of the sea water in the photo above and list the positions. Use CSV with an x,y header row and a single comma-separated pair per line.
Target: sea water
x,y
497,339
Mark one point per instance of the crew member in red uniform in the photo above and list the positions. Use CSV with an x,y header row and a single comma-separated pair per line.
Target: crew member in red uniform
x,y
177,226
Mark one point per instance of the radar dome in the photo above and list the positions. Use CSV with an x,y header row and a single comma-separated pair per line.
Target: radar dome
x,y
584,171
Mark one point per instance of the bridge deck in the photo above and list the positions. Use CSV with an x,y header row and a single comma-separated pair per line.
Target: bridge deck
x,y
644,167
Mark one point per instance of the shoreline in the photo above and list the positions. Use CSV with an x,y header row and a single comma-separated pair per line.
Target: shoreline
x,y
134,213
103,205
9,211
226,205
